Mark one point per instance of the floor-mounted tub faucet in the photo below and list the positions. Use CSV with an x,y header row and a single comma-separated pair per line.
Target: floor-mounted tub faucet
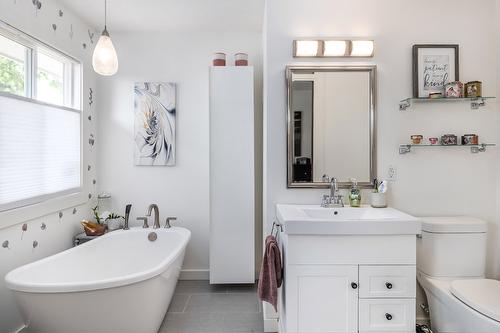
x,y
156,224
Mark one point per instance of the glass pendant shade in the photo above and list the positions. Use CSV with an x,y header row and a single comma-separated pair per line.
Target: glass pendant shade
x,y
104,59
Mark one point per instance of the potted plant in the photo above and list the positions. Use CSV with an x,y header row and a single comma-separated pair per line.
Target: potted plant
x,y
94,228
114,221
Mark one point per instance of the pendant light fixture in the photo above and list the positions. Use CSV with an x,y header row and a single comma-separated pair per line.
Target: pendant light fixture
x,y
104,59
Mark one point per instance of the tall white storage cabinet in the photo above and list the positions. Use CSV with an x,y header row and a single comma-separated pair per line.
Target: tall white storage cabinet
x,y
232,211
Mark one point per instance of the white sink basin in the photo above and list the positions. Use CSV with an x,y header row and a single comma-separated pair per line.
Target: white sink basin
x,y
314,219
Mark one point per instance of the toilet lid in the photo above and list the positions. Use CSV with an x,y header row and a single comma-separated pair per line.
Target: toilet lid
x,y
482,295
453,224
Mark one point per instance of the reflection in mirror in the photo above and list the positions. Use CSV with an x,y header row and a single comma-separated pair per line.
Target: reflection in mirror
x,y
331,125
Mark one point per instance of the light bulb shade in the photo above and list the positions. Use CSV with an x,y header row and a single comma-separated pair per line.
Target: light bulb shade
x,y
104,59
334,48
306,48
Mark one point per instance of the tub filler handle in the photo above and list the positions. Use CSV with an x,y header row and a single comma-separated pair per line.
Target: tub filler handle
x,y
167,223
145,219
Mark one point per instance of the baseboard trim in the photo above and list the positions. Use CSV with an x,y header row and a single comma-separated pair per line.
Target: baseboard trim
x,y
194,274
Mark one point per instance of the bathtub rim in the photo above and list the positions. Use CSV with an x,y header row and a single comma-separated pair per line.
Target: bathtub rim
x,y
72,287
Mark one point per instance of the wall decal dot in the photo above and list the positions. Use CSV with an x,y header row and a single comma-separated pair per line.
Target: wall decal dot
x,y
91,140
24,227
37,4
90,195
91,36
43,226
94,181
74,211
84,46
60,13
35,244
91,97
60,215
89,118
5,244
89,167
54,27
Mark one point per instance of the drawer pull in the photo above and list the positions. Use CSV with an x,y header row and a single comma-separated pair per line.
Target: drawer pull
x,y
354,285
388,316
388,285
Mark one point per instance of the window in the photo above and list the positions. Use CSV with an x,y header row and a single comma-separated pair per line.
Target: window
x,y
50,79
13,67
34,70
40,123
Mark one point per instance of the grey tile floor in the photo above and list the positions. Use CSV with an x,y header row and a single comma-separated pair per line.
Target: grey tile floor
x,y
198,307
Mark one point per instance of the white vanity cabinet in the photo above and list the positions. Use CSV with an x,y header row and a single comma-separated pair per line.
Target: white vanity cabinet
x,y
320,298
347,281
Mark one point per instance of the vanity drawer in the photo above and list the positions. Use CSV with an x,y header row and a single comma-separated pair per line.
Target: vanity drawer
x,y
387,315
387,281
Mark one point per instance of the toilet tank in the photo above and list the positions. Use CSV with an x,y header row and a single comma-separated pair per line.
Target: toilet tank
x,y
452,247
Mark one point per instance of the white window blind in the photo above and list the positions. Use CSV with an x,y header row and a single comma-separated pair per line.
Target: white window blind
x,y
39,152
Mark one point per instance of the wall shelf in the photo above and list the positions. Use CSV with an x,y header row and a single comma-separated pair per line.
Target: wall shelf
x,y
475,102
480,148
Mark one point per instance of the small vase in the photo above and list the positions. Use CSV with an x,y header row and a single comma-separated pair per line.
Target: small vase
x,y
379,200
114,224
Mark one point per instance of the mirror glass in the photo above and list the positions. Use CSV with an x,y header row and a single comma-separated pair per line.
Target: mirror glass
x,y
331,119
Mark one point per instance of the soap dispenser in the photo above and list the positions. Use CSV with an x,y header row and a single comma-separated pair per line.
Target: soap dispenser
x,y
354,194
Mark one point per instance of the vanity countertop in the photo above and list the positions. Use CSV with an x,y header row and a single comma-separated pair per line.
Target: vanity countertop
x,y
364,220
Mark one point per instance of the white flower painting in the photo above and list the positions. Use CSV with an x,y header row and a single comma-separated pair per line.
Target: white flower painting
x,y
154,107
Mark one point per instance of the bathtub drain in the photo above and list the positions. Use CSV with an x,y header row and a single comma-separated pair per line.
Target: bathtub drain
x,y
152,236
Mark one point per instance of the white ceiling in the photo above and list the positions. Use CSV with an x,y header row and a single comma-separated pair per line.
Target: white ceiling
x,y
171,15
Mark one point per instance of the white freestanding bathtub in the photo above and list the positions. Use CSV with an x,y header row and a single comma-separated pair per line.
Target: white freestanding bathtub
x,y
118,283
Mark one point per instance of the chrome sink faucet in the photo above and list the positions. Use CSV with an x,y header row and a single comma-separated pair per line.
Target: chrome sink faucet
x,y
156,224
335,198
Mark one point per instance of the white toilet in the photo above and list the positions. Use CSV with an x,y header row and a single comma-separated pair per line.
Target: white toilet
x,y
451,264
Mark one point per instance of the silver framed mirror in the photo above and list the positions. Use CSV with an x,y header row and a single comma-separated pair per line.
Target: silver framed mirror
x,y
331,115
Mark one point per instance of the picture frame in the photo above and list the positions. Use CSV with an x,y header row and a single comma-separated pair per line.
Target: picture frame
x,y
155,123
434,65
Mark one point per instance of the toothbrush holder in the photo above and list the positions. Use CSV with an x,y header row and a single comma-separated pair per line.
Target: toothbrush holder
x,y
379,200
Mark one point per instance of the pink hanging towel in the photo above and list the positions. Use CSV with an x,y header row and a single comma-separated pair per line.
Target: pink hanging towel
x,y
271,277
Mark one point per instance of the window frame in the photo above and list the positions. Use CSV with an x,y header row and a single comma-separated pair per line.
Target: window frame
x,y
72,77
67,198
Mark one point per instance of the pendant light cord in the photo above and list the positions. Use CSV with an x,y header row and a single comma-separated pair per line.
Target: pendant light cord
x,y
105,12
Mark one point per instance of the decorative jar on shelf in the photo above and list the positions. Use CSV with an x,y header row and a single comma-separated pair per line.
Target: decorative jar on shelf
x,y
379,200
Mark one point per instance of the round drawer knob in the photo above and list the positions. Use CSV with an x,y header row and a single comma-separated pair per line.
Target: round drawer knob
x,y
388,285
354,285
388,316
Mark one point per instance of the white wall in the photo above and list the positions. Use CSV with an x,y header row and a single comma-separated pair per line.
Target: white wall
x,y
59,232
430,182
181,190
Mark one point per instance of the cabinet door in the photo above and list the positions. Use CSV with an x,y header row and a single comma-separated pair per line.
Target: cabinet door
x,y
322,298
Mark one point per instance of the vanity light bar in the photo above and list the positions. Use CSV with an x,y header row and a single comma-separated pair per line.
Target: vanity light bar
x,y
332,48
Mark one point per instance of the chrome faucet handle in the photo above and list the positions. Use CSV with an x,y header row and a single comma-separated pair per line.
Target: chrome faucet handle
x,y
325,201
145,219
340,200
167,223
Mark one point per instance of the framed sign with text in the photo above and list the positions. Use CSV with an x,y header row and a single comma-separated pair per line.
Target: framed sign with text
x,y
434,65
